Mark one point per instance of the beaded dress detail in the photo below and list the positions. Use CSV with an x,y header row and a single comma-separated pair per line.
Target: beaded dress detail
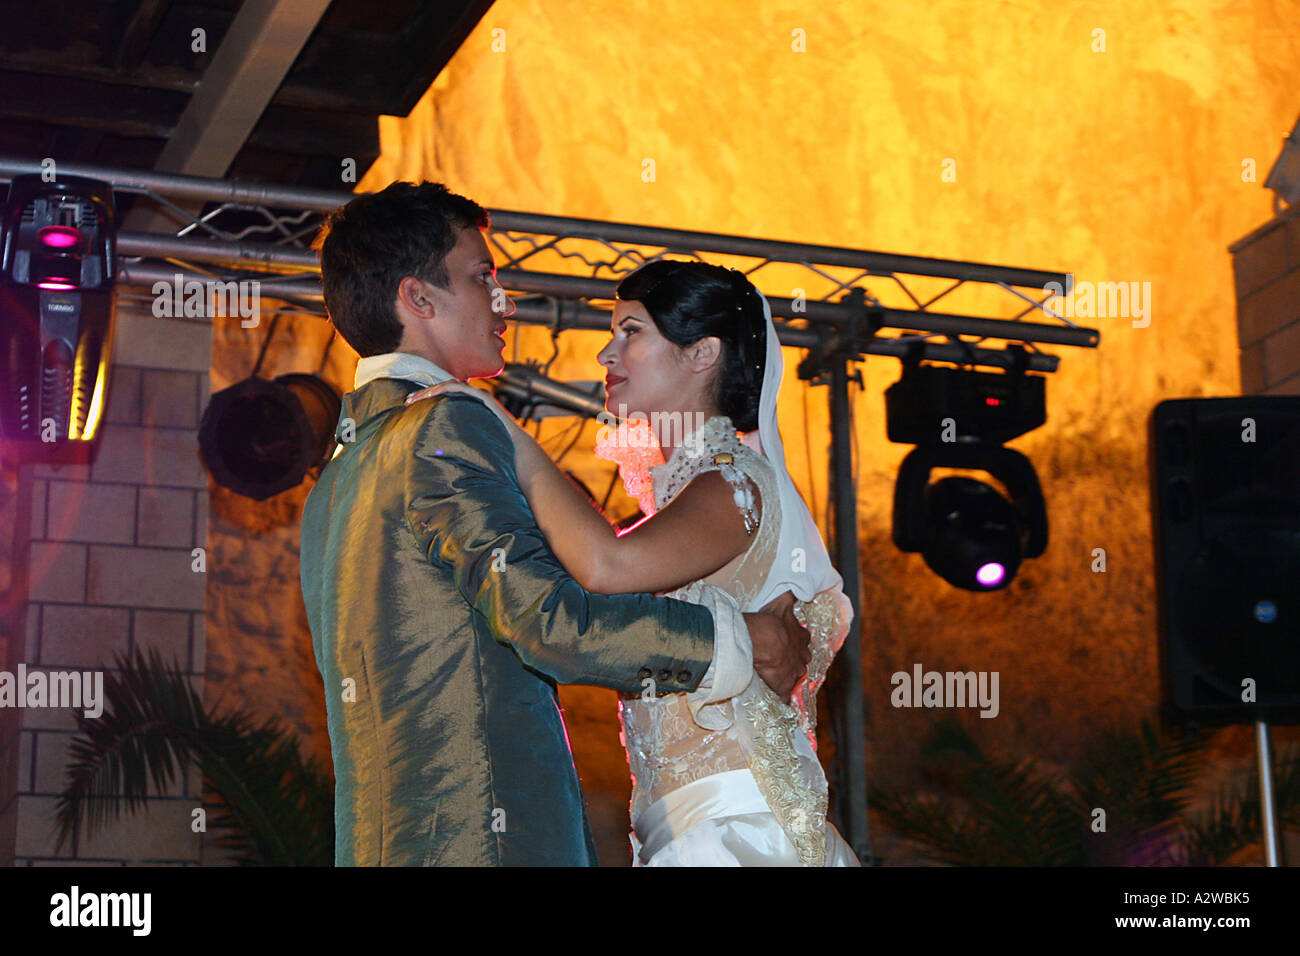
x,y
670,739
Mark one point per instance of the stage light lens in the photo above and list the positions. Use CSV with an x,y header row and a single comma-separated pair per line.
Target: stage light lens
x,y
59,237
977,535
58,286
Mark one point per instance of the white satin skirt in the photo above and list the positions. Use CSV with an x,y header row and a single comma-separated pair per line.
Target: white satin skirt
x,y
721,820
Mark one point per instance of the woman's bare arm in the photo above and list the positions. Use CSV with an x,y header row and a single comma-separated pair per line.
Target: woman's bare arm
x,y
699,531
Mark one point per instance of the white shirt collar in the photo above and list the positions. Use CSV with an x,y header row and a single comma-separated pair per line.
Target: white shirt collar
x,y
404,365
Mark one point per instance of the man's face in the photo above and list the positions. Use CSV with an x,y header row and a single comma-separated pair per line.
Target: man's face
x,y
456,327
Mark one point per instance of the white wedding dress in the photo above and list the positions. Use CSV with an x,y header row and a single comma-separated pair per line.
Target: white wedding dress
x,y
736,782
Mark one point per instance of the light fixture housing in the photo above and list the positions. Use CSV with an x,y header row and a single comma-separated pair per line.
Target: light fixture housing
x,y
259,437
57,304
966,530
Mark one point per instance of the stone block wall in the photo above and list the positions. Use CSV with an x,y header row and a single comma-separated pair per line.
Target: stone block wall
x,y
1266,267
106,552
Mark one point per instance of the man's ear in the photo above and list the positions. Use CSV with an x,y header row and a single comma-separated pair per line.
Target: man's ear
x,y
705,353
415,298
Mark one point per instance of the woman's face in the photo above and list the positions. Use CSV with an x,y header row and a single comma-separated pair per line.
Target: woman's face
x,y
644,372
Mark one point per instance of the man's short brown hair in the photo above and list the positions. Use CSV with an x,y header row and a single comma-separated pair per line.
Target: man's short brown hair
x,y
377,239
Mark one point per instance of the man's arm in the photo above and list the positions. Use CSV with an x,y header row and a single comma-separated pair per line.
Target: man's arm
x,y
465,509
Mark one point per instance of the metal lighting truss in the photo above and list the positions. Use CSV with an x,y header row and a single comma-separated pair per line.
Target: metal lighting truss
x,y
832,301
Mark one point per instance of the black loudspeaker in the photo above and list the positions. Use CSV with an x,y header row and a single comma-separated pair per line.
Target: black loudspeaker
x,y
1225,495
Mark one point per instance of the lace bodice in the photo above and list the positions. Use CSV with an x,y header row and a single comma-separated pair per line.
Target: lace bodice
x,y
669,747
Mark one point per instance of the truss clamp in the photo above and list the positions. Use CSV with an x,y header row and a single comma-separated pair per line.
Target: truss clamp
x,y
846,343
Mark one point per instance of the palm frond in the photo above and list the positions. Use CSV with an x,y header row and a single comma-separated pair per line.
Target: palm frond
x,y
990,812
987,812
148,729
1142,779
273,806
1232,821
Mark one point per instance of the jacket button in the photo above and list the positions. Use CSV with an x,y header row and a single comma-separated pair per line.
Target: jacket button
x,y
644,672
684,677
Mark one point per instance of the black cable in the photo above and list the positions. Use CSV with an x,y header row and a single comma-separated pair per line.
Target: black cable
x,y
555,351
576,436
555,439
275,320
556,329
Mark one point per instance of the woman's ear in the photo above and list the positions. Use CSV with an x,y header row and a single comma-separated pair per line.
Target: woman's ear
x,y
704,354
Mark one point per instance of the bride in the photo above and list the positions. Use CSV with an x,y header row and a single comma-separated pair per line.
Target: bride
x,y
693,361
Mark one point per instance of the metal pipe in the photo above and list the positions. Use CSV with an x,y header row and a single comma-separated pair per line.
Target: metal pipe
x,y
159,246
684,240
148,273
530,384
851,751
579,316
287,259
575,315
179,186
583,316
836,313
1268,806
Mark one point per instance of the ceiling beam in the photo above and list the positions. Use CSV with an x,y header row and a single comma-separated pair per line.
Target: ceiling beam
x,y
154,114
255,54
129,111
173,78
383,69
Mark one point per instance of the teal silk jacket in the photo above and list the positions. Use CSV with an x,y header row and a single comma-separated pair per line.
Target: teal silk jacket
x,y
441,623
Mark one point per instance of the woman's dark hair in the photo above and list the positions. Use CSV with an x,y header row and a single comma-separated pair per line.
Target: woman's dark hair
x,y
369,245
692,300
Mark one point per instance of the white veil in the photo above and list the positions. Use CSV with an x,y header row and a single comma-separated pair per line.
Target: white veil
x,y
802,564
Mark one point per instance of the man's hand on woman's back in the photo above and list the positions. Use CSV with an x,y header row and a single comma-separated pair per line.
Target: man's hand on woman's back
x,y
780,642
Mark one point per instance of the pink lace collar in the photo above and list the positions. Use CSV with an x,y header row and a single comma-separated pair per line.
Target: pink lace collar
x,y
646,476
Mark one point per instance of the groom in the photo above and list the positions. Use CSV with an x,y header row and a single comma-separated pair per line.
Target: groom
x,y
440,620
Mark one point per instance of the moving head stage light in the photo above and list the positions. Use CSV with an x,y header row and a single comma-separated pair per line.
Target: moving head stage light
x,y
57,266
968,533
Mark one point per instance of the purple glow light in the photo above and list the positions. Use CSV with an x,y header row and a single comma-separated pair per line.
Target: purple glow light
x,y
60,286
59,237
990,574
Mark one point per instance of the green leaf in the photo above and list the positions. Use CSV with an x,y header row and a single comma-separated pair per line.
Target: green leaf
x,y
274,808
